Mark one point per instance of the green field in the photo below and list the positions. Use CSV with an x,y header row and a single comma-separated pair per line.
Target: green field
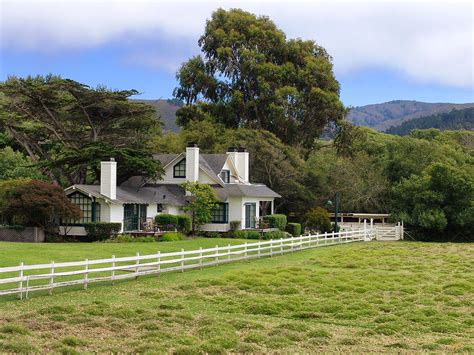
x,y
360,297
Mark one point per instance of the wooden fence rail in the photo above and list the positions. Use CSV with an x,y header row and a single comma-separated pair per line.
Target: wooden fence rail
x,y
31,278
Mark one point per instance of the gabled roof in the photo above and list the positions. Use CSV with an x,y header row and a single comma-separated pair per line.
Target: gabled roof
x,y
245,190
165,194
213,162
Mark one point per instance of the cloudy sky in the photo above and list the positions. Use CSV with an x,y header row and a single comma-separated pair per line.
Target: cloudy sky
x,y
382,50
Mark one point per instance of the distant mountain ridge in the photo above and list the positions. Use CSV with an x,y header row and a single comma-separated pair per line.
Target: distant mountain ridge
x,y
166,111
393,113
453,120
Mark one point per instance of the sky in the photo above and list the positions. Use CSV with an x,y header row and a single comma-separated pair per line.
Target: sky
x,y
381,50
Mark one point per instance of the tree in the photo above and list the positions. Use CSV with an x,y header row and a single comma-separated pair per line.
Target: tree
x,y
39,204
14,165
317,220
439,203
58,120
201,201
251,76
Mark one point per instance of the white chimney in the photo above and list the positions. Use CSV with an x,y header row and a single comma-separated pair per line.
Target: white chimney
x,y
192,162
108,178
240,157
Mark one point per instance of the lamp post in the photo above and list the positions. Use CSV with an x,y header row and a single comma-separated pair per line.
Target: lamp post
x,y
336,210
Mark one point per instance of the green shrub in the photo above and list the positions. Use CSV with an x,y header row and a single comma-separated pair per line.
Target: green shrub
x,y
126,238
210,234
101,230
276,221
317,219
184,224
253,235
273,235
172,237
294,229
234,225
240,234
167,221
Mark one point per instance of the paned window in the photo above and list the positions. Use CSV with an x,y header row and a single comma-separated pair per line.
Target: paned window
x,y
220,214
179,170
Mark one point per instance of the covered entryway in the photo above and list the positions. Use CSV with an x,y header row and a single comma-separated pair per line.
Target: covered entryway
x,y
250,215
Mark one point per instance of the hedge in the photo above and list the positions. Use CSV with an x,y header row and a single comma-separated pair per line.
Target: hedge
x,y
101,230
276,221
234,225
294,229
172,237
253,235
273,235
167,221
184,224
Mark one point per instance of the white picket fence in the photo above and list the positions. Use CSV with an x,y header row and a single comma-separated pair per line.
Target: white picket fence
x,y
31,278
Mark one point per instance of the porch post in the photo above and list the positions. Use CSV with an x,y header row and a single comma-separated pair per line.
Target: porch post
x,y
94,212
271,206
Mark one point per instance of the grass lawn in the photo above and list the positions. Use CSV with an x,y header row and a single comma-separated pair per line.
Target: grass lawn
x,y
12,254
360,297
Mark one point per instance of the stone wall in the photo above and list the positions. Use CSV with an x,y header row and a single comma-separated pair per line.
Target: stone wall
x,y
28,234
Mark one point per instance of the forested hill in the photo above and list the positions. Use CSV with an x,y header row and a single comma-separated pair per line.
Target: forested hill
x,y
453,120
166,110
393,113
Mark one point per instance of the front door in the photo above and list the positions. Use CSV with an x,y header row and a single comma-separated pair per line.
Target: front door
x,y
133,216
250,214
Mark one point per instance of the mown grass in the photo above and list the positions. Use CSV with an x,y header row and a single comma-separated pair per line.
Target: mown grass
x,y
361,297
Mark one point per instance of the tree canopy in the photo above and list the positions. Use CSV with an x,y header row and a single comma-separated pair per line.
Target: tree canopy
x,y
68,127
251,75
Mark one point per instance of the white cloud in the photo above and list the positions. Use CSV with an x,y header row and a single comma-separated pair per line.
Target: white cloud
x,y
425,41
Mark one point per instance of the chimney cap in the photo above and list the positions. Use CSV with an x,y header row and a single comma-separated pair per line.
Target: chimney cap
x,y
232,149
111,159
192,145
242,149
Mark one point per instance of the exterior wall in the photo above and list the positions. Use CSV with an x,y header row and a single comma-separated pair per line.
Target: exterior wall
x,y
151,210
116,214
74,230
235,214
168,175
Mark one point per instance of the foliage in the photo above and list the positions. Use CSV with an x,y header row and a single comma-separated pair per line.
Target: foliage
x,y
252,235
67,128
294,229
167,221
438,203
101,230
172,237
127,238
274,235
453,120
238,234
210,234
14,165
234,225
38,204
252,76
317,220
184,223
276,221
200,203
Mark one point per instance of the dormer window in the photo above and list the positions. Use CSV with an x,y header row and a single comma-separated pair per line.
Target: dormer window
x,y
179,170
225,176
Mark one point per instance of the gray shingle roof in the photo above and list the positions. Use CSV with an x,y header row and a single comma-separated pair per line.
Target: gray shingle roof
x,y
247,190
212,162
165,194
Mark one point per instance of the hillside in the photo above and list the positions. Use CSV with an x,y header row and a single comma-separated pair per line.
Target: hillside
x,y
393,113
166,110
453,120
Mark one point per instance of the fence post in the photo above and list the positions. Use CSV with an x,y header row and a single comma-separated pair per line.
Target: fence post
x,y
365,229
113,269
20,284
86,274
217,255
158,260
200,258
403,229
271,248
182,260
136,265
51,280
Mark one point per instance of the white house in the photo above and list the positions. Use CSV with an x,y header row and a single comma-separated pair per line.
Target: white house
x,y
138,200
